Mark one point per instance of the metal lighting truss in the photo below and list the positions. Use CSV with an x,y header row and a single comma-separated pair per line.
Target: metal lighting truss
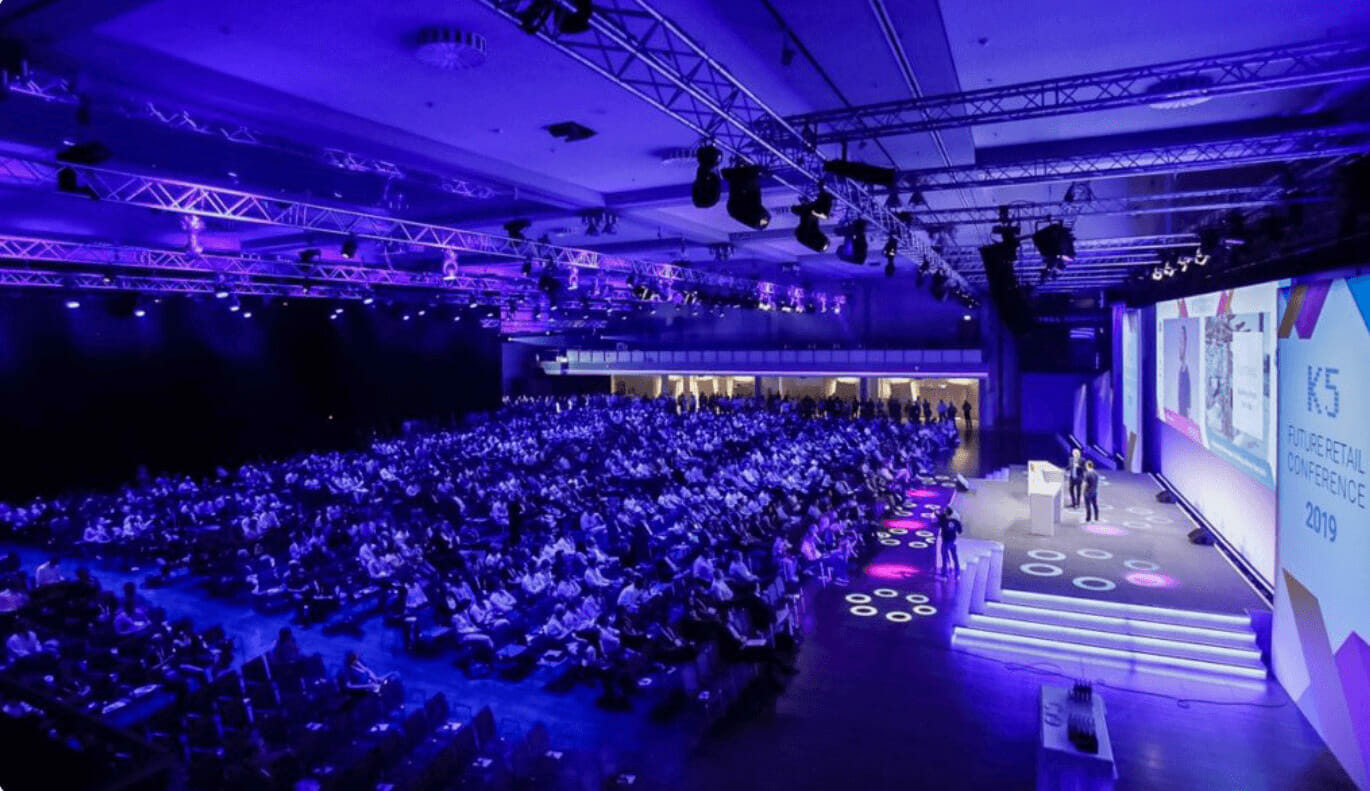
x,y
1177,83
41,85
108,257
184,197
1271,148
1168,203
637,48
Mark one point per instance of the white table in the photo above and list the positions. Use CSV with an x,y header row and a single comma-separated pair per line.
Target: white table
x,y
1045,481
1060,765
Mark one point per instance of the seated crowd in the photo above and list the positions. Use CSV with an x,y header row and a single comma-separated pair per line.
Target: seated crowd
x,y
613,533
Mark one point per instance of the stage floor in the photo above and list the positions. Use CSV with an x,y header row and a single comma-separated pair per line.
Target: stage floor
x,y
1137,553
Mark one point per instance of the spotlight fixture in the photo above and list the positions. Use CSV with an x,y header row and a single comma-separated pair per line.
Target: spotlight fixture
x,y
591,220
514,229
891,247
577,18
855,246
527,268
808,233
73,304
220,292
310,255
744,196
822,205
349,248
193,224
1056,244
708,185
450,265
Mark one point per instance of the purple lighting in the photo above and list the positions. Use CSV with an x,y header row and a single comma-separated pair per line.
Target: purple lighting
x,y
922,494
891,571
907,524
1150,579
1106,530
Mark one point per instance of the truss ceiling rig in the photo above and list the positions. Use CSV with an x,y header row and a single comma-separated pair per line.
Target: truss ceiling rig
x,y
1175,83
41,85
637,48
190,198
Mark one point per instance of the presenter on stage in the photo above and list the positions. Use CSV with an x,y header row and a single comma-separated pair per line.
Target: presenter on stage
x,y
948,528
1091,492
1075,473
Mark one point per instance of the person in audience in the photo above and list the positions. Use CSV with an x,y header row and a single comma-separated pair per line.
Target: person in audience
x,y
130,619
286,650
358,678
48,573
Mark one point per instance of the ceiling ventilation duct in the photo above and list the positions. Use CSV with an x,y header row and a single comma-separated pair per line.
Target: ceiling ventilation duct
x,y
451,49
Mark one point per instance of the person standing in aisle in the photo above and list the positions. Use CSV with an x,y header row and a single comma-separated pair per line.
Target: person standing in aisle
x,y
965,410
1075,475
1091,493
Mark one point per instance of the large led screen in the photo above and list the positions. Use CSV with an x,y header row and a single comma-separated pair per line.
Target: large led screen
x,y
1215,374
1322,592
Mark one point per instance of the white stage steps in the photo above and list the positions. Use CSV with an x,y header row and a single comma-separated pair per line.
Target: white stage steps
x,y
1137,636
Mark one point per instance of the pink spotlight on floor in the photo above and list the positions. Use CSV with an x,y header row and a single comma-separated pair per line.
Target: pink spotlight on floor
x,y
921,493
891,571
907,524
1106,530
1150,579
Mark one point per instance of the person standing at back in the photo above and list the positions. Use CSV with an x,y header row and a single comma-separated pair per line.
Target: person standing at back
x,y
965,410
1091,492
1075,474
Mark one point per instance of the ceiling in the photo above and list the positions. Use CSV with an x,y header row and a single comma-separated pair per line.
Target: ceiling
x,y
343,74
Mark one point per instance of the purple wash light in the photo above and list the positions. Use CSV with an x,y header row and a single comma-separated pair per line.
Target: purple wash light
x,y
1151,579
1106,530
892,571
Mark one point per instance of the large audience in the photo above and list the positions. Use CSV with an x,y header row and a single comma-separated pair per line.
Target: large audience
x,y
615,533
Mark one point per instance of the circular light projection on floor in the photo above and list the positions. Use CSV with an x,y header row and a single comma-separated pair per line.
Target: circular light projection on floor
x,y
924,609
890,542
1046,554
1135,525
858,598
885,593
949,486
864,610
905,523
1139,510
897,531
918,545
898,616
916,598
1094,583
1094,554
1151,579
1159,520
1041,569
924,534
891,571
1106,530
1141,565
881,534
921,494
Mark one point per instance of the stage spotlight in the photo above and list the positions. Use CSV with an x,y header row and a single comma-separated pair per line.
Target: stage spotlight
x,y
310,255
139,312
527,268
514,229
1056,244
808,233
349,248
939,286
744,196
73,304
68,182
708,185
368,300
220,292
576,20
822,205
854,247
891,247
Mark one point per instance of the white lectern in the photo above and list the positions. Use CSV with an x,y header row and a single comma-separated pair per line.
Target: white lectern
x,y
1044,497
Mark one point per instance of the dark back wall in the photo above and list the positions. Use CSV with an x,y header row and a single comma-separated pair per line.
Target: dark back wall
x,y
90,394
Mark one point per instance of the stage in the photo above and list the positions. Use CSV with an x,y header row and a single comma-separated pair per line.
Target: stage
x,y
1137,553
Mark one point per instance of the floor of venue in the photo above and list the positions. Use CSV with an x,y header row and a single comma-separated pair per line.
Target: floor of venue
x,y
1137,552
883,703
